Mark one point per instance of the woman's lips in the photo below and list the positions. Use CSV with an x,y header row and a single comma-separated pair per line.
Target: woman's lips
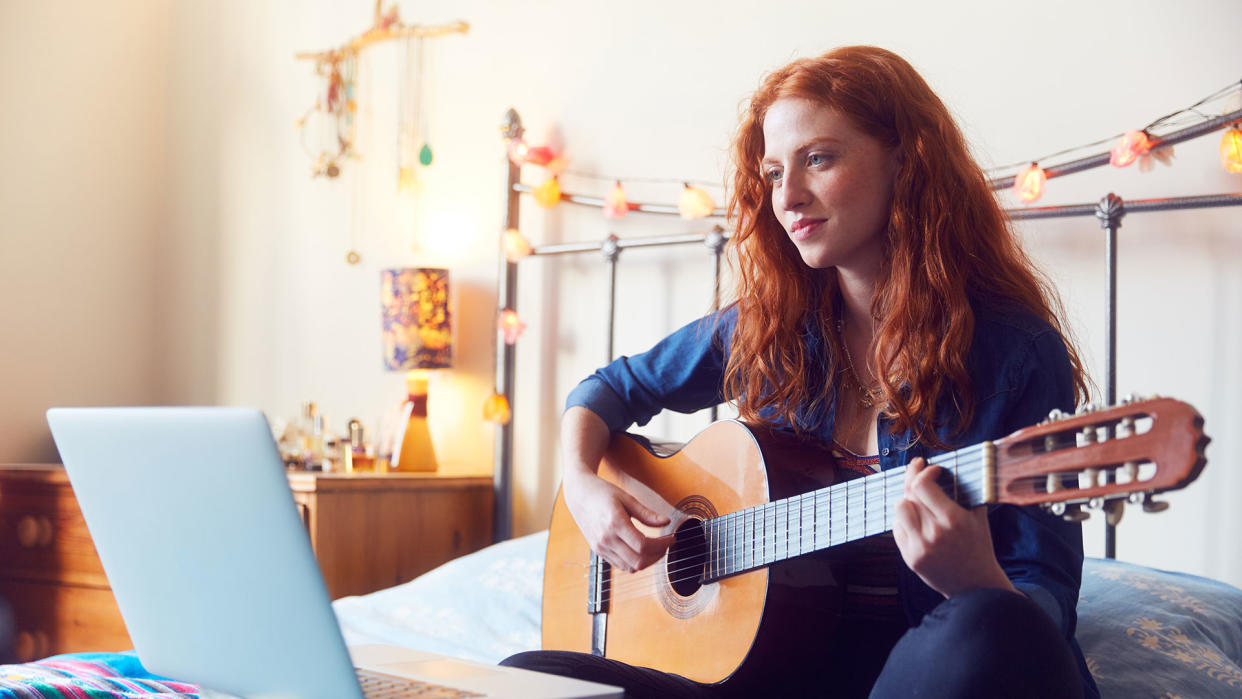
x,y
804,228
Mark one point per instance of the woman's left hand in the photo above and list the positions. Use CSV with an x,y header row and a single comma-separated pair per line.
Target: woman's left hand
x,y
945,544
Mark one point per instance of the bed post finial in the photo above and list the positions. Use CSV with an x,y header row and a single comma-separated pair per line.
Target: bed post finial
x,y
511,127
1110,211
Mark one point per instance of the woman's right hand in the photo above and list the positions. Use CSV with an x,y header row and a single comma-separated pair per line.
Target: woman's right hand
x,y
602,510
603,513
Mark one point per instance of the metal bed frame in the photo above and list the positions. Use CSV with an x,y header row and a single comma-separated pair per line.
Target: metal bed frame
x,y
1110,210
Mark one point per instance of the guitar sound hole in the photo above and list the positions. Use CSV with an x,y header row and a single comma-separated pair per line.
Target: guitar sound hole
x,y
686,558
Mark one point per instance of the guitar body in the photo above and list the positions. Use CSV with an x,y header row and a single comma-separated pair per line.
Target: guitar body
x,y
712,632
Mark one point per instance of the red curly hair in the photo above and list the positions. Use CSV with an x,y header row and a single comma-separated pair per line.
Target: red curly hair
x,y
948,242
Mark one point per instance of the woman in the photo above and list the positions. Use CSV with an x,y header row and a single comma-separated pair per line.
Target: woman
x,y
885,308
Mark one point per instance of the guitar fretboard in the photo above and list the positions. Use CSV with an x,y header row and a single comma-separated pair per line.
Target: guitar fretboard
x,y
838,514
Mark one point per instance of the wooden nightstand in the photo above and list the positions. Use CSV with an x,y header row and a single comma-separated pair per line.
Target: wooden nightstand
x,y
368,532
375,531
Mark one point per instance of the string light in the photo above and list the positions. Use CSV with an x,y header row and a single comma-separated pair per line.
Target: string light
x,y
511,326
1231,150
548,194
496,409
539,155
1142,145
516,246
695,202
1129,148
1029,184
615,205
517,150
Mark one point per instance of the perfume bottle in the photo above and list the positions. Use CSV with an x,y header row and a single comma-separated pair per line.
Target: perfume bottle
x,y
360,457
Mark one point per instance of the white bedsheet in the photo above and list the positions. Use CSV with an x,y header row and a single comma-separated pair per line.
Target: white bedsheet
x,y
1144,631
484,606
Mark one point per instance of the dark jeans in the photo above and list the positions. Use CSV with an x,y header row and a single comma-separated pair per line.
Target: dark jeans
x,y
985,643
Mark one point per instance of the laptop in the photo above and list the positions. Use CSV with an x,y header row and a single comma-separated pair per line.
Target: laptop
x,y
212,569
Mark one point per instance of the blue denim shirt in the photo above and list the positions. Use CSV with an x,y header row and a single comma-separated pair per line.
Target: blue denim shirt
x,y
1020,371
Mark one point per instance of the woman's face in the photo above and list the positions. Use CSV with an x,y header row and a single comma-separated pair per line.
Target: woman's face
x,y
832,184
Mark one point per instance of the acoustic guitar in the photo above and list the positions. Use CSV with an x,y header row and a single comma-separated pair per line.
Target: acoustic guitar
x,y
749,507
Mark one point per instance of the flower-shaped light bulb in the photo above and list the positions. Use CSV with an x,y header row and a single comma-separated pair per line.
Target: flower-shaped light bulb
x,y
1128,149
539,155
496,409
615,204
1029,184
517,151
695,203
516,246
548,194
511,326
1231,150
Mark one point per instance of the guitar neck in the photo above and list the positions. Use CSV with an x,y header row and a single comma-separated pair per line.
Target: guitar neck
x,y
838,514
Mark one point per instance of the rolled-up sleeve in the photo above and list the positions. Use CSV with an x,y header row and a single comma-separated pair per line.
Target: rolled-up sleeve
x,y
682,372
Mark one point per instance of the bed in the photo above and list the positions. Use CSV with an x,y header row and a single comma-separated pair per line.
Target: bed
x,y
1145,632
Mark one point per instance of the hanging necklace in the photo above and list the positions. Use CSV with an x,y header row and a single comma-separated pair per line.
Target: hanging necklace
x,y
407,130
424,153
867,396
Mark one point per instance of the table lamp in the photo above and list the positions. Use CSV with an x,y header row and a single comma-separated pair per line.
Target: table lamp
x,y
417,337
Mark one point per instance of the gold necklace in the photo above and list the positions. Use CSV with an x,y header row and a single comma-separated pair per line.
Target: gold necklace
x,y
866,395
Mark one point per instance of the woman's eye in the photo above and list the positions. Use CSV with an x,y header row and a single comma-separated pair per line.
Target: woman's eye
x,y
772,176
817,159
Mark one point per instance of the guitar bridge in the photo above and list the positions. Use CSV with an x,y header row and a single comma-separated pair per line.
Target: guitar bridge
x,y
598,578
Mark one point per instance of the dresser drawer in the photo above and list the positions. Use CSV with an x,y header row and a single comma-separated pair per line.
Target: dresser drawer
x,y
51,619
43,536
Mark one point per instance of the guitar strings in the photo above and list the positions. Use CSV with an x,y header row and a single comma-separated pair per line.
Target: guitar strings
x,y
838,495
763,551
759,552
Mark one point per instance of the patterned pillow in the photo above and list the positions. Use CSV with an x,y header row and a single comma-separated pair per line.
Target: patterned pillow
x,y
1151,633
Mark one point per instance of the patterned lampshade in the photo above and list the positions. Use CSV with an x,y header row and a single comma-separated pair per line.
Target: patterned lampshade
x,y
417,330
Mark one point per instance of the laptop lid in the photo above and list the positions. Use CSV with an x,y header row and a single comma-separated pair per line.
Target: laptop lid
x,y
174,498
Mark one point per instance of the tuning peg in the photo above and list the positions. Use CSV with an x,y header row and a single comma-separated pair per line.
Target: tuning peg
x,y
1096,503
1125,428
1069,513
1056,414
1150,505
1146,500
1113,510
1129,398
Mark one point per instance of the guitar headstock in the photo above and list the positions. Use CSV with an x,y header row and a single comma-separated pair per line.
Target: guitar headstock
x,y
1101,457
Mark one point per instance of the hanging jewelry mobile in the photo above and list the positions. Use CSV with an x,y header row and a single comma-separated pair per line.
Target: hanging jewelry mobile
x,y
328,129
333,126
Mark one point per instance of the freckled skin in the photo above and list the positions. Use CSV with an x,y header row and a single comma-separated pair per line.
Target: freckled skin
x,y
823,170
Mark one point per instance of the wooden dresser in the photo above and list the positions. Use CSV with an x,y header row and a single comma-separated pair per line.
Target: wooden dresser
x,y
368,532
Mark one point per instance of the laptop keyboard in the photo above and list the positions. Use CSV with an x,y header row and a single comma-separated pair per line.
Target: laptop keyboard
x,y
375,686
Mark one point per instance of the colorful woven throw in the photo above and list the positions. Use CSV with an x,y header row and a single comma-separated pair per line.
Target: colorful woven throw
x,y
88,676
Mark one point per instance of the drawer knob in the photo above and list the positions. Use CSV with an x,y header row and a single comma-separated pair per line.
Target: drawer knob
x,y
34,531
31,645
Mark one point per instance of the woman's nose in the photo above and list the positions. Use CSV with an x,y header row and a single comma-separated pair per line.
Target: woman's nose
x,y
792,194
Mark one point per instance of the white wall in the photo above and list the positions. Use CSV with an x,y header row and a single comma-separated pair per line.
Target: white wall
x,y
213,264
83,136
